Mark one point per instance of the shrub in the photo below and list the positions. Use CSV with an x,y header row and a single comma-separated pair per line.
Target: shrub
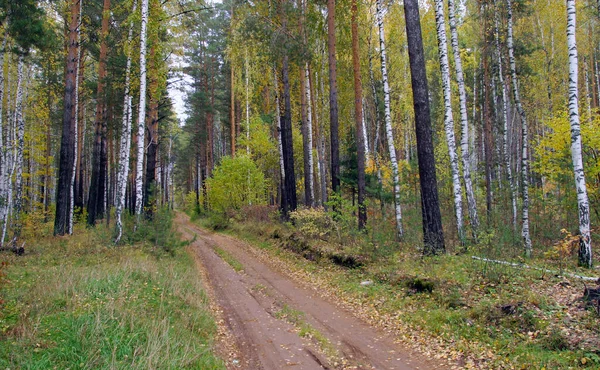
x,y
236,182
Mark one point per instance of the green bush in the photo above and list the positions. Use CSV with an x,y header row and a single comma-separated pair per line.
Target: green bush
x,y
236,182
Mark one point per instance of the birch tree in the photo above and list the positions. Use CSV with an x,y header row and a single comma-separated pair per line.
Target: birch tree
x,y
464,120
524,132
448,115
141,113
125,143
388,120
19,125
585,242
76,123
358,119
505,154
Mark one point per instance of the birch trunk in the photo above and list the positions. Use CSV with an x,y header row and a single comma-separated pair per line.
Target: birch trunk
x,y
309,145
3,150
464,121
388,120
279,144
448,116
524,133
125,144
321,149
511,181
139,186
76,123
359,120
19,124
585,242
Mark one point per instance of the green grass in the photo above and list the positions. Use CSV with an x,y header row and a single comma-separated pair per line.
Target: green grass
x,y
231,261
80,303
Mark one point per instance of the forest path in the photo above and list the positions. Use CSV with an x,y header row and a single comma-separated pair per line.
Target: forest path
x,y
256,301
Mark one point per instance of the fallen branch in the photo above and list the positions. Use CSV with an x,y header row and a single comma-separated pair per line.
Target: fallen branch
x,y
524,266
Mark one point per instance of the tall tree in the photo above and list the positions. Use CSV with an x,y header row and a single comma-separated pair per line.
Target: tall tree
x,y
358,118
141,113
448,115
433,235
464,120
96,197
583,206
333,98
67,143
388,119
125,143
524,131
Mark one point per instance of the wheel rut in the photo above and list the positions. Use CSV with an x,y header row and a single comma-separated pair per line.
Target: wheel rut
x,y
251,299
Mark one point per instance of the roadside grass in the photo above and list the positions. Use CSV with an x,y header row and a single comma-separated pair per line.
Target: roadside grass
x,y
80,302
475,313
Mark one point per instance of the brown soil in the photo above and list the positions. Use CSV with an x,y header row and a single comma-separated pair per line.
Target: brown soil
x,y
251,302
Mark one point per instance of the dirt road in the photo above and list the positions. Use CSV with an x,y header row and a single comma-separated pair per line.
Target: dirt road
x,y
266,312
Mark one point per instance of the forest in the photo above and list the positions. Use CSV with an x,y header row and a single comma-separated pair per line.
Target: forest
x,y
374,135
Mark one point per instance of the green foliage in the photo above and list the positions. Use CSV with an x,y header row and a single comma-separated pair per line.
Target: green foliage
x,y
236,182
157,232
313,222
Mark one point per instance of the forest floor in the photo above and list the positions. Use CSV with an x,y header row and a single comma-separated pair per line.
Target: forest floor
x,y
276,320
452,309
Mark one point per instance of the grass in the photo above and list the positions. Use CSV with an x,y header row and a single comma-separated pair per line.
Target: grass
x,y
80,303
488,315
231,261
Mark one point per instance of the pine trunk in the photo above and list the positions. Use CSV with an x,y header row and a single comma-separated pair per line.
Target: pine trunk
x,y
585,242
96,198
388,119
152,129
67,143
433,235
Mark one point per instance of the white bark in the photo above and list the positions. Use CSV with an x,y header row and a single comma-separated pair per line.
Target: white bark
x,y
4,199
141,113
309,133
511,181
524,134
247,106
321,141
448,115
388,120
364,132
585,247
464,120
76,123
125,144
19,125
278,125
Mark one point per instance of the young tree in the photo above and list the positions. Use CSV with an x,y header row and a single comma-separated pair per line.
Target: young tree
x,y
585,242
433,235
